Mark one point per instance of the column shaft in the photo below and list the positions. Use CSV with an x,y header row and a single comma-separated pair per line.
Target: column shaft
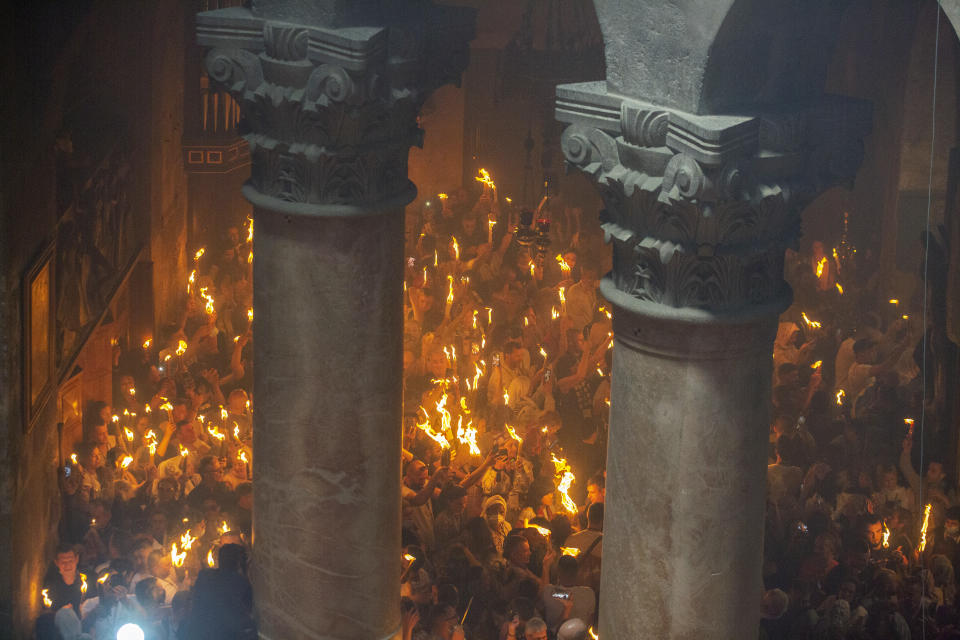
x,y
686,469
328,353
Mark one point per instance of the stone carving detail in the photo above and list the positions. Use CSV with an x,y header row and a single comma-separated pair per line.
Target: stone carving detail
x,y
330,114
644,127
708,235
285,42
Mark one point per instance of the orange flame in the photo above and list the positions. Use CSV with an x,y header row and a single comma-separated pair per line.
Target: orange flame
x,y
923,530
813,324
177,558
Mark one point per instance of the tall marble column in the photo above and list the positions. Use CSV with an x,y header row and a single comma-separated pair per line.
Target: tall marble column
x,y
329,92
699,211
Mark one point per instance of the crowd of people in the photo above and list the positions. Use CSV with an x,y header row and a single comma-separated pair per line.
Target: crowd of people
x,y
156,487
507,355
863,524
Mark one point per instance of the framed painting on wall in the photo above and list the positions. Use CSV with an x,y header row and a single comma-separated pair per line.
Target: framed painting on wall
x,y
38,333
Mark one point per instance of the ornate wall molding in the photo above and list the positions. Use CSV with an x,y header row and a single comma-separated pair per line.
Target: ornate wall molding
x,y
699,209
330,113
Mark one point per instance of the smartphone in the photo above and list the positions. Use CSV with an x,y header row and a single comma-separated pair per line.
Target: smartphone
x,y
66,471
561,595
546,375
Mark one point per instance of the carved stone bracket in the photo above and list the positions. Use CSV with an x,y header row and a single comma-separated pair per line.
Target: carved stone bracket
x,y
330,113
699,209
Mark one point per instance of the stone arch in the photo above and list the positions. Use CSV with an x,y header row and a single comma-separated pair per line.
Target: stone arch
x,y
711,56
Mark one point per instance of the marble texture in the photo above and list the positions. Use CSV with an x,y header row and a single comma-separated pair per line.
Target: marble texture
x,y
327,339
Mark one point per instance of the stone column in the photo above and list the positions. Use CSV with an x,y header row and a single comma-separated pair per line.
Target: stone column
x,y
699,211
330,92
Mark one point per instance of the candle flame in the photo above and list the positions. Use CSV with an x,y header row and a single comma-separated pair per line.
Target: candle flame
x,y
408,557
210,561
923,530
83,583
236,431
242,456
115,418
839,288
513,434
73,458
199,253
442,196
433,435
565,479
541,530
489,315
187,540
564,267
102,579
128,433
223,528
894,301
147,343
216,433
250,314
450,290
126,462
886,536
181,347
468,436
813,324
554,314
456,247
840,395
484,177
177,558
210,305
817,364
250,230
593,634
184,452
570,551
47,602
820,265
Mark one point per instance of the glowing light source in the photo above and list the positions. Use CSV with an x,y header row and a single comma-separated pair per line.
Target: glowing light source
x,y
813,324
130,631
923,529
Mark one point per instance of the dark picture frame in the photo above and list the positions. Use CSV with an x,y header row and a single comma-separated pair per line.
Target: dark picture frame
x,y
39,372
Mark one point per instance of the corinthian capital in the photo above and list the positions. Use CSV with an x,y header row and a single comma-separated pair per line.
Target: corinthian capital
x,y
330,93
699,209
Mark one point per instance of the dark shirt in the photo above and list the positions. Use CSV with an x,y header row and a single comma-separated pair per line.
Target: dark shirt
x,y
218,491
222,608
62,593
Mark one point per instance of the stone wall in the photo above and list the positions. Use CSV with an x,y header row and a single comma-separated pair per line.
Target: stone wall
x,y
62,63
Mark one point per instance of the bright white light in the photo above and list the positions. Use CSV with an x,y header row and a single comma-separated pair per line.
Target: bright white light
x,y
130,631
